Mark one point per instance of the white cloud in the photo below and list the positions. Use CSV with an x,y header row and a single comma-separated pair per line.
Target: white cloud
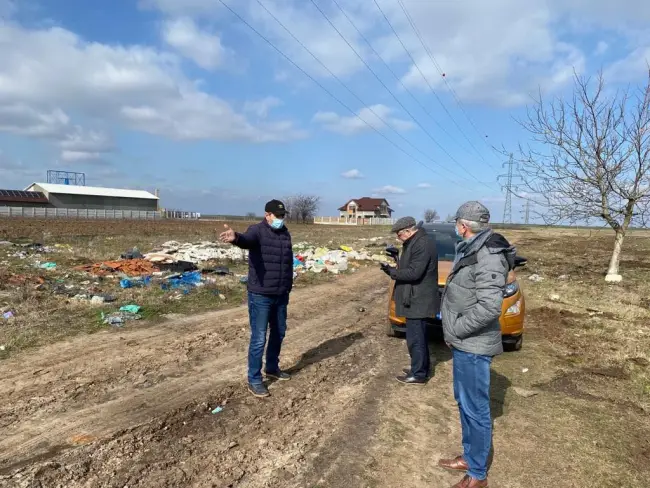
x,y
424,185
202,47
353,174
262,107
601,48
389,190
84,146
374,116
496,53
630,68
135,86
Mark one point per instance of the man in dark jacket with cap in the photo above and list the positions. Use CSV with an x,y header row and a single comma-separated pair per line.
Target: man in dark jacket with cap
x,y
270,279
471,306
415,294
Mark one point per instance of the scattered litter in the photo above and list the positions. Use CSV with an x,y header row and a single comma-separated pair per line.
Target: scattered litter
x,y
522,392
185,280
217,410
524,370
243,279
132,254
346,248
3,347
97,300
362,309
119,318
134,309
129,267
7,315
535,278
5,243
107,298
554,298
48,266
135,283
563,277
173,252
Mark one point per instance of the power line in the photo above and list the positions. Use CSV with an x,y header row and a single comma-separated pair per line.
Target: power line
x,y
397,78
442,104
320,85
391,92
442,73
507,207
379,117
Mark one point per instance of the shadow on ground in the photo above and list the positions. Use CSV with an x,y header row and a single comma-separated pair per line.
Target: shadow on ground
x,y
325,350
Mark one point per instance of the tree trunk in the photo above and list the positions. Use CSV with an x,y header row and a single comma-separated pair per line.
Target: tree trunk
x,y
612,272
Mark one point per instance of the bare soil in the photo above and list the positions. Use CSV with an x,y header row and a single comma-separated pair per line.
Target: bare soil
x,y
133,408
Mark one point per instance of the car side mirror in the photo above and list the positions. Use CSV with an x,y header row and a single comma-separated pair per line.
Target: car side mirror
x,y
520,261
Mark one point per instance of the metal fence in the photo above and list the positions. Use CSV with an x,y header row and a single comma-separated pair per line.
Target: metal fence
x,y
344,221
74,213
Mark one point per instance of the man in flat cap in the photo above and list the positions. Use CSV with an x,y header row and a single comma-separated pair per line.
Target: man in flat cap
x,y
416,294
270,280
471,306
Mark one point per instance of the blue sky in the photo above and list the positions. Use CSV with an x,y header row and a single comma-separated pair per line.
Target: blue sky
x,y
181,95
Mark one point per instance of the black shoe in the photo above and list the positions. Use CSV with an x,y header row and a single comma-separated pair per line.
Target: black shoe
x,y
258,390
411,380
278,375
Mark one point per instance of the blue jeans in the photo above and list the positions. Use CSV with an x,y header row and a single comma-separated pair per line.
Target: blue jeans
x,y
472,393
266,312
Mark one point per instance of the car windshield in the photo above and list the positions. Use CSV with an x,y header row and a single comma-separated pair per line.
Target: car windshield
x,y
445,242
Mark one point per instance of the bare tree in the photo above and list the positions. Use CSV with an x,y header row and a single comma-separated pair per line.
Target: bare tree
x,y
251,216
591,158
305,207
450,218
430,215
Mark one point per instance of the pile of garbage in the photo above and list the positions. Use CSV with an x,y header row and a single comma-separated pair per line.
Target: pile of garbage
x,y
173,252
129,267
322,259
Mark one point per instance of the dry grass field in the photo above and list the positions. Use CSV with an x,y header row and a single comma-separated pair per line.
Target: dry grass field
x,y
132,406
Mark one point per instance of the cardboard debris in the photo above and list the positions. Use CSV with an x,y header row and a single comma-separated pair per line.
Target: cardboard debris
x,y
130,267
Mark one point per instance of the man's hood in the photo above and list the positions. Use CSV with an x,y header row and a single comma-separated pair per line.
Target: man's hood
x,y
495,243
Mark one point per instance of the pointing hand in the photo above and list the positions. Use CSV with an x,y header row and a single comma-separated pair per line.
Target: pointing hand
x,y
227,236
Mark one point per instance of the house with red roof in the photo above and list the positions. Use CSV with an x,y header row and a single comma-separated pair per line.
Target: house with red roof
x,y
365,208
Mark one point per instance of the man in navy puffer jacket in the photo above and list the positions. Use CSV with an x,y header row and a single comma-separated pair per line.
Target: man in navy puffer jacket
x,y
270,279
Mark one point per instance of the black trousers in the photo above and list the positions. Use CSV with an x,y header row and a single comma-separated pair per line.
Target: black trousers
x,y
418,346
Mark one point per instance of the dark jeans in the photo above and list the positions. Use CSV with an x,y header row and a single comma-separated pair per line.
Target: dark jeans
x,y
418,346
472,393
266,312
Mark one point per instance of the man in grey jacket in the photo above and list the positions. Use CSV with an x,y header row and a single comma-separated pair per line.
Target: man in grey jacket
x,y
471,306
415,294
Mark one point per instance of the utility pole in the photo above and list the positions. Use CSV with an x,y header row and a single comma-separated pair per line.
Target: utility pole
x,y
526,212
507,208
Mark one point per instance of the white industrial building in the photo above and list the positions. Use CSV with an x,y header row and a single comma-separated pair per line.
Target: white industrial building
x,y
99,198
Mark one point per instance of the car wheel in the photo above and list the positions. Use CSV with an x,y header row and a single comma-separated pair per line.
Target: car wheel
x,y
514,346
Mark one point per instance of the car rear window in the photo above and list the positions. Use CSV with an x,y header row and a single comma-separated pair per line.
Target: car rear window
x,y
445,243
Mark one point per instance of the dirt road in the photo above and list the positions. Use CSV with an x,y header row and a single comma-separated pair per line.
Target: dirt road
x,y
133,408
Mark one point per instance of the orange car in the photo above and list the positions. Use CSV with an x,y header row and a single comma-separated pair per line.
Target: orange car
x,y
514,304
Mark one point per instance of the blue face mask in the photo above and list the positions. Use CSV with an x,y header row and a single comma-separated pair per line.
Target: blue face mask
x,y
458,233
277,223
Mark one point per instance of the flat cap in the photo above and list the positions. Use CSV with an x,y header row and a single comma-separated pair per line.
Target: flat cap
x,y
403,223
474,212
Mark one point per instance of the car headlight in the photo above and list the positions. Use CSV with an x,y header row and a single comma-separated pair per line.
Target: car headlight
x,y
510,289
514,309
